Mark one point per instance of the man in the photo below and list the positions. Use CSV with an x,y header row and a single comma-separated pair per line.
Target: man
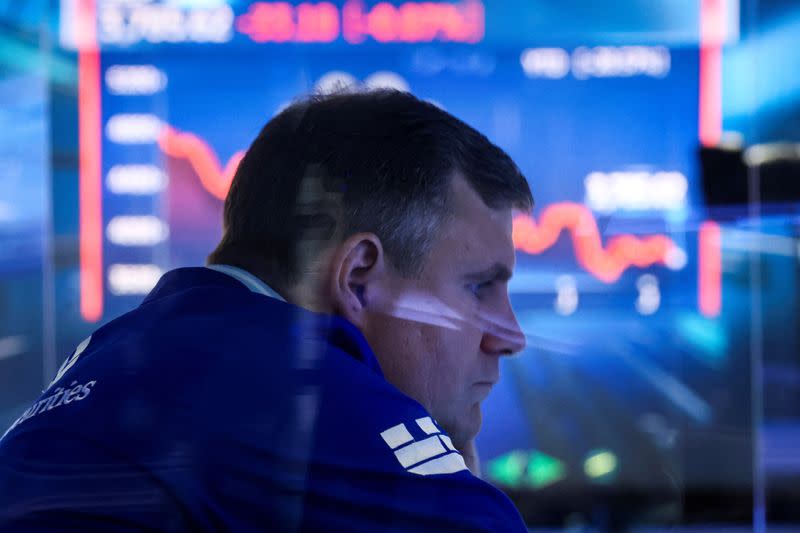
x,y
325,371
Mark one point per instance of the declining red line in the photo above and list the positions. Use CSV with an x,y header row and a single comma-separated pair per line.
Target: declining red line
x,y
202,158
607,264
89,165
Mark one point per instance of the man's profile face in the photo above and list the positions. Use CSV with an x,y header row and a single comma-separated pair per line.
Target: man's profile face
x,y
443,335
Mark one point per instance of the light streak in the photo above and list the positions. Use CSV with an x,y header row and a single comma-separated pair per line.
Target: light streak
x,y
712,35
709,270
135,79
133,230
133,279
137,180
133,128
89,165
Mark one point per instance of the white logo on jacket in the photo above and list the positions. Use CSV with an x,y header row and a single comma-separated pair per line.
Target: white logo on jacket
x,y
76,392
434,454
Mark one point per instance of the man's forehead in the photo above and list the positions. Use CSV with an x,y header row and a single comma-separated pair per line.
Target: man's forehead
x,y
479,229
467,204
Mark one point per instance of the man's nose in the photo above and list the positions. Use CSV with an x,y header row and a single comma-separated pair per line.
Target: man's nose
x,y
502,334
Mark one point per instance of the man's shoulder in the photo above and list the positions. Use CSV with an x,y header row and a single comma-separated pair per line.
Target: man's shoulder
x,y
398,471
196,335
211,385
203,346
200,316
383,457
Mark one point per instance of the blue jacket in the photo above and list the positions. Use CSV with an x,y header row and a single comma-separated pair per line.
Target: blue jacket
x,y
214,407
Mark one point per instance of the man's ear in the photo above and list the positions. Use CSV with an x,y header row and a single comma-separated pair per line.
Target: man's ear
x,y
357,265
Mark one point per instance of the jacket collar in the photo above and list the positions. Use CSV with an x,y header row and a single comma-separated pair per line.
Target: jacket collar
x,y
248,280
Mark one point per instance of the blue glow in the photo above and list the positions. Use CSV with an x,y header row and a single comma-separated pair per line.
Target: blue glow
x,y
763,72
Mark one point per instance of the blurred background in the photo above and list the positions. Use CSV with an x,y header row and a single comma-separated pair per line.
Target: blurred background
x,y
657,278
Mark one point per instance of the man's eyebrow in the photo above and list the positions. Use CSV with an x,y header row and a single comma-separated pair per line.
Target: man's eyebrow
x,y
496,272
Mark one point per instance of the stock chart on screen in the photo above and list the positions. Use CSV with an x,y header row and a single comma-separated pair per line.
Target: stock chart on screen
x,y
637,370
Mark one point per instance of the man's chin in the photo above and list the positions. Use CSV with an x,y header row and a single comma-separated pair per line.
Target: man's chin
x,y
476,420
467,427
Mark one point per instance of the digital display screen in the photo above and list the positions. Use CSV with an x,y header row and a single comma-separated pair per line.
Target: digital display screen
x,y
637,372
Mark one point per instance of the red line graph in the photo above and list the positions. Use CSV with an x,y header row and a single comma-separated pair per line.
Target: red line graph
x,y
202,158
609,263
606,264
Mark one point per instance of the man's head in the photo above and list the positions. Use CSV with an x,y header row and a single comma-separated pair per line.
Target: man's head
x,y
394,214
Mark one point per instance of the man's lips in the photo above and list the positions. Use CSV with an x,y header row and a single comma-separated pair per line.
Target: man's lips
x,y
483,388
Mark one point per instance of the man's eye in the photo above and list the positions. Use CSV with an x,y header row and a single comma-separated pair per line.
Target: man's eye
x,y
478,289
